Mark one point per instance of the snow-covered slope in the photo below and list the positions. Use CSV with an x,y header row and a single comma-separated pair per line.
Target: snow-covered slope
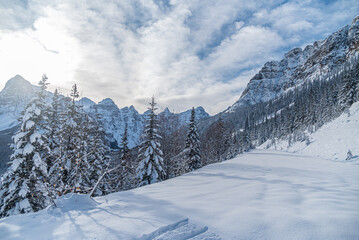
x,y
331,141
299,66
258,195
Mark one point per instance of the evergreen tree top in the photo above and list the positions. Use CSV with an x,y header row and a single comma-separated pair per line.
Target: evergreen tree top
x,y
43,82
152,107
74,93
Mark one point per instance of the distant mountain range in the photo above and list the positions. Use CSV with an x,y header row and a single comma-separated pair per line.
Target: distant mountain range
x,y
18,92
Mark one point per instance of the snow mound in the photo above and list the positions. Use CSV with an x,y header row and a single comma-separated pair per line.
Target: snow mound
x,y
76,202
180,231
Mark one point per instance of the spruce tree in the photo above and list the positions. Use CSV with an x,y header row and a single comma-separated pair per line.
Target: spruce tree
x,y
97,158
126,168
151,168
23,186
246,142
55,116
192,144
347,93
233,148
70,161
124,150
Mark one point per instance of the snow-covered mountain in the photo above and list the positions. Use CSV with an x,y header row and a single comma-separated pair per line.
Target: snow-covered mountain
x,y
114,119
301,65
13,98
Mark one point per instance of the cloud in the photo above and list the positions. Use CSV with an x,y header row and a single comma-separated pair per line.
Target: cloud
x,y
186,52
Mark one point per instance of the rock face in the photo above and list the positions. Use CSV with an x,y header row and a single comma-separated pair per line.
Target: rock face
x,y
184,117
114,120
299,66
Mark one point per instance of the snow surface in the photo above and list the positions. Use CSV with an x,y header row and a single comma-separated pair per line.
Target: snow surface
x,y
259,195
331,141
8,120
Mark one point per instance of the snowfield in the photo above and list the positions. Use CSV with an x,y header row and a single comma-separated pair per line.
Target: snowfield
x,y
258,195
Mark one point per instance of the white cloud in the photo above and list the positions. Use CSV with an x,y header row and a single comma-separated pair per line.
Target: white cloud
x,y
186,52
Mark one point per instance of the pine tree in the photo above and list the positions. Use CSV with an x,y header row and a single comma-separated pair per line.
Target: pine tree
x,y
126,168
23,187
347,93
193,144
97,158
151,168
246,142
65,171
233,148
124,150
55,116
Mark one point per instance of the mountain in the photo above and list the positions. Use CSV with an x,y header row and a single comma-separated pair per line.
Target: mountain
x,y
114,119
301,65
13,98
288,100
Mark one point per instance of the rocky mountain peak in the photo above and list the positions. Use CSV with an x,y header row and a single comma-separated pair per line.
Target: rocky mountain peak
x,y
18,86
353,35
166,112
299,66
107,101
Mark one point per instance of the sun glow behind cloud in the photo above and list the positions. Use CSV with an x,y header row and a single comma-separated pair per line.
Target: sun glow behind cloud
x,y
187,53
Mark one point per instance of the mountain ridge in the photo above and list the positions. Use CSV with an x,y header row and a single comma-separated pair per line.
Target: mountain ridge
x,y
301,65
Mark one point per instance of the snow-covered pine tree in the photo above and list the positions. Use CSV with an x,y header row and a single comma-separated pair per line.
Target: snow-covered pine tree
x,y
126,170
151,168
73,156
124,150
55,118
246,142
347,93
192,144
23,186
97,158
233,148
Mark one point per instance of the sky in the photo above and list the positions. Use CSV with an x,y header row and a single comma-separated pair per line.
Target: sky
x,y
184,52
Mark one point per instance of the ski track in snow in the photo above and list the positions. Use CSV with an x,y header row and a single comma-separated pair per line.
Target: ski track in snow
x,y
258,195
180,231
